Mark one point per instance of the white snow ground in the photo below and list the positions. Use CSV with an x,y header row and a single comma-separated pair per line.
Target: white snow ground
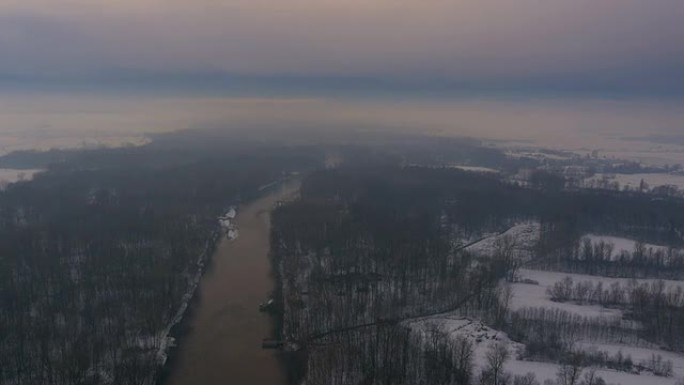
x,y
634,180
621,244
481,336
530,295
476,169
638,354
524,235
10,175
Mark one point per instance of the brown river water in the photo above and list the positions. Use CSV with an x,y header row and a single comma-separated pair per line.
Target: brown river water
x,y
223,343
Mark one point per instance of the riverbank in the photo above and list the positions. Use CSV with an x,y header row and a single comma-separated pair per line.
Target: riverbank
x,y
222,337
169,336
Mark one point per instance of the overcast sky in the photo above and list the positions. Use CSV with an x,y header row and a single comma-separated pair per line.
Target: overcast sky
x,y
619,46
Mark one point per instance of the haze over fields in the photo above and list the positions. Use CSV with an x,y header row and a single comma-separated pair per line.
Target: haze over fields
x,y
563,73
615,127
338,192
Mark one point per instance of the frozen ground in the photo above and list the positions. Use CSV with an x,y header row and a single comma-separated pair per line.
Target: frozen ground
x,y
525,295
8,175
531,295
452,326
548,278
524,237
548,371
634,180
638,354
621,244
476,169
537,155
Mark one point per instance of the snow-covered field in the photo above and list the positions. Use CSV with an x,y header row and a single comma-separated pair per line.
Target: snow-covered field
x,y
524,237
538,154
526,295
548,278
8,175
548,371
476,169
453,326
530,290
634,180
621,244
652,155
638,354
535,295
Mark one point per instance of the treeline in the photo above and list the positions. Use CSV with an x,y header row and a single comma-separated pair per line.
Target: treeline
x,y
624,362
97,253
369,246
549,334
658,309
390,355
567,215
470,203
600,258
363,249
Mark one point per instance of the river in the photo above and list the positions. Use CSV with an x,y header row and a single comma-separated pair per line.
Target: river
x,y
225,328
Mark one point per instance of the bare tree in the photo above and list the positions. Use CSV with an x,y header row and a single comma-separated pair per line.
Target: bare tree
x,y
496,357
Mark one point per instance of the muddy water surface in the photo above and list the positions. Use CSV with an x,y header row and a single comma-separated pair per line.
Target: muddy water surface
x,y
223,344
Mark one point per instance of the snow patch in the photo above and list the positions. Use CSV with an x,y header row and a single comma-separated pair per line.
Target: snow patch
x,y
638,354
524,238
535,295
477,169
621,244
633,181
9,176
452,326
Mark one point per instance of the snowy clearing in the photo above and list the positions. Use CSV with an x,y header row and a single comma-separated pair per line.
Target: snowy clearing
x,y
621,244
548,371
526,295
453,326
634,180
538,155
476,169
638,354
531,295
524,236
548,278
10,175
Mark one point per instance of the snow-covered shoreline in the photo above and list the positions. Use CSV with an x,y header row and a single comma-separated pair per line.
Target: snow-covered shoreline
x,y
167,340
227,227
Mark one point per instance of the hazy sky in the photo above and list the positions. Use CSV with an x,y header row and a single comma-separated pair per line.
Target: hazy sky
x,y
614,46
561,73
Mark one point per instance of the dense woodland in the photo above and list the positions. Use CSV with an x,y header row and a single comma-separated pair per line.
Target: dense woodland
x,y
97,253
367,247
361,251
